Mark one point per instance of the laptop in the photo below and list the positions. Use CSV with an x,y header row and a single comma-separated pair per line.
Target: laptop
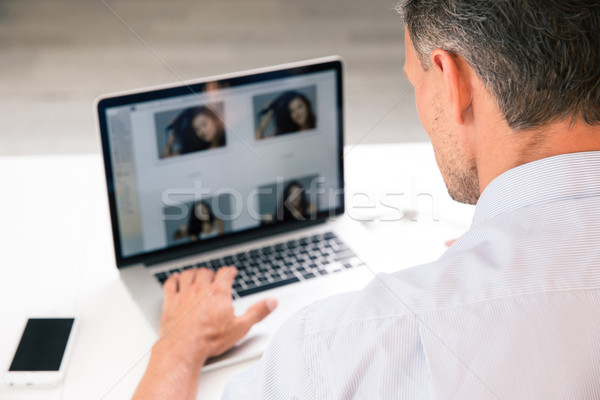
x,y
242,169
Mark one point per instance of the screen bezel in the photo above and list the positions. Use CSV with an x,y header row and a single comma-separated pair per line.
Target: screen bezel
x,y
181,89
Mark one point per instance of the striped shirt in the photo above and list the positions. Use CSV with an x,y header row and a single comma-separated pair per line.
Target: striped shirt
x,y
510,311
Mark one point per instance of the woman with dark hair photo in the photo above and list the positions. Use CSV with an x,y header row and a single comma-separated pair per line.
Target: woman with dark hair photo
x,y
203,224
195,129
294,205
291,111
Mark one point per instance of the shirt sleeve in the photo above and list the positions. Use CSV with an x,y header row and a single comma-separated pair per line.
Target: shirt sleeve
x,y
282,371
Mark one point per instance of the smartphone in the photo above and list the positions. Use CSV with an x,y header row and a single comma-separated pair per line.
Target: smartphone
x,y
42,353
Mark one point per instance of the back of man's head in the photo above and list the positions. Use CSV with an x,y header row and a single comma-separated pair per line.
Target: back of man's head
x,y
539,58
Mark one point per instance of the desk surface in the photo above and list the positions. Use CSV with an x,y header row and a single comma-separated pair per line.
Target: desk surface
x,y
56,256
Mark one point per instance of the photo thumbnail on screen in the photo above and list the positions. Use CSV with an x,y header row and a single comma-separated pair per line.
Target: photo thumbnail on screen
x,y
198,220
289,200
286,112
190,130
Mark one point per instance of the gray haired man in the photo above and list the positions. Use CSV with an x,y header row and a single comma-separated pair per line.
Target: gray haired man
x,y
509,93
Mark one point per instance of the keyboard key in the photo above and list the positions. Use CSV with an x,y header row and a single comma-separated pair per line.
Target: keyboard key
x,y
344,255
254,253
336,267
229,260
275,276
272,285
162,277
188,267
340,248
174,270
309,275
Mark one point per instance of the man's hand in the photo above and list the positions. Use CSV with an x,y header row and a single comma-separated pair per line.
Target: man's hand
x,y
197,318
197,323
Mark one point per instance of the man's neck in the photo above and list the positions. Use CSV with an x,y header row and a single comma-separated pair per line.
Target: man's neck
x,y
509,149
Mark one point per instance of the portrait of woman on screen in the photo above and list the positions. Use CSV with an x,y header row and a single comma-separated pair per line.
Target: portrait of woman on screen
x,y
202,224
194,129
290,112
293,205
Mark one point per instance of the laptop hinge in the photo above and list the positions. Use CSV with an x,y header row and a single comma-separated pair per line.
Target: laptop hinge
x,y
222,242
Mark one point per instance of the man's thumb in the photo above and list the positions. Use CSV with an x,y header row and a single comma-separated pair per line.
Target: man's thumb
x,y
259,311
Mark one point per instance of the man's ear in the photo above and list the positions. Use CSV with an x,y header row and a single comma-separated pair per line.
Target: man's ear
x,y
455,82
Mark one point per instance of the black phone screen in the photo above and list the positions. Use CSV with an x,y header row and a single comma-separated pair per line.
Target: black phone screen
x,y
42,345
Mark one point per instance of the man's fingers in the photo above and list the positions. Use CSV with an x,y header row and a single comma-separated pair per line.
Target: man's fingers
x,y
204,276
224,277
187,277
170,286
257,313
450,242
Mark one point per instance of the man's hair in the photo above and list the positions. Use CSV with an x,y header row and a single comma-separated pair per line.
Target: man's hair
x,y
539,58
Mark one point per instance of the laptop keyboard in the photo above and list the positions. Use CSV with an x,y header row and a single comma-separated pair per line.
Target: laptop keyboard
x,y
281,264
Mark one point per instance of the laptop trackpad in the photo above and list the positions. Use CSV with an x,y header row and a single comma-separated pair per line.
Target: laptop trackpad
x,y
250,347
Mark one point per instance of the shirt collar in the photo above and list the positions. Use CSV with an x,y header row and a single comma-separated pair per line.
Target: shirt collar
x,y
566,176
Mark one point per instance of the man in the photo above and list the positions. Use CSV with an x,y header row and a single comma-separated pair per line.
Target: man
x,y
509,93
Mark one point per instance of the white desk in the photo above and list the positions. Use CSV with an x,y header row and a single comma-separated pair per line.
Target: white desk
x,y
56,256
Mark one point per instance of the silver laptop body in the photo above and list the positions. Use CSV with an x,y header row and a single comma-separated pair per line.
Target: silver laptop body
x,y
242,169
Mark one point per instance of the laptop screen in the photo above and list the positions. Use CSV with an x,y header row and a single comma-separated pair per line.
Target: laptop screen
x,y
194,165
